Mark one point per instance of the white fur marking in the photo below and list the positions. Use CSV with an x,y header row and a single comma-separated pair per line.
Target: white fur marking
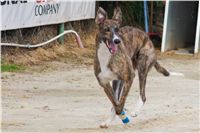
x,y
117,91
104,56
176,74
138,107
115,37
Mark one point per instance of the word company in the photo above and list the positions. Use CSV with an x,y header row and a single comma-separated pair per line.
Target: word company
x,y
45,8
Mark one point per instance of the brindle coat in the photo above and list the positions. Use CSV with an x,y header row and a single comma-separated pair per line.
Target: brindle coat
x,y
135,51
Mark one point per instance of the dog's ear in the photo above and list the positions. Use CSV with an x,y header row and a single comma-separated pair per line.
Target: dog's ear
x,y
101,16
117,15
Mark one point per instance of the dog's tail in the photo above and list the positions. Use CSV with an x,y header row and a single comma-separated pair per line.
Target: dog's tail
x,y
161,69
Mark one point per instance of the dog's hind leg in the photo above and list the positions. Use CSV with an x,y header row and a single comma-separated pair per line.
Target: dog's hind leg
x,y
117,87
138,107
144,66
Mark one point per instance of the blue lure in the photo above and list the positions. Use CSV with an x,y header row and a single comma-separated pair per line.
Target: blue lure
x,y
124,118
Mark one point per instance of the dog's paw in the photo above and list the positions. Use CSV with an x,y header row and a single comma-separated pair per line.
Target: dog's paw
x,y
103,125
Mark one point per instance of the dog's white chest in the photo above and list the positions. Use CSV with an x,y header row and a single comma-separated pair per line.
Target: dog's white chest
x,y
104,56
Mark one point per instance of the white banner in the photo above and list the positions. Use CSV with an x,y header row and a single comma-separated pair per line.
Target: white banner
x,y
17,14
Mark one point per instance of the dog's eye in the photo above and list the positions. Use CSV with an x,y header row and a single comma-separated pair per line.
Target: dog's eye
x,y
107,29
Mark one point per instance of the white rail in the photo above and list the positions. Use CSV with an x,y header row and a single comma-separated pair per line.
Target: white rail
x,y
44,43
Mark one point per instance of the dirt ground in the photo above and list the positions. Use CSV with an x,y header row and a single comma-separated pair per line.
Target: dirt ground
x,y
61,97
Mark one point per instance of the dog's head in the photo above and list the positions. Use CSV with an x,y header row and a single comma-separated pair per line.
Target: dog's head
x,y
109,28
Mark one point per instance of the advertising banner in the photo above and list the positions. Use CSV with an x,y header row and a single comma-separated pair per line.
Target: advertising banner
x,y
17,14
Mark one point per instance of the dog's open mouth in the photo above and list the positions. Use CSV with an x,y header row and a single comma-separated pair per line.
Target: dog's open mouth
x,y
111,46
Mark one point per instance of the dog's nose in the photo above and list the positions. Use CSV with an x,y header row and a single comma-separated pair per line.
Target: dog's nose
x,y
117,41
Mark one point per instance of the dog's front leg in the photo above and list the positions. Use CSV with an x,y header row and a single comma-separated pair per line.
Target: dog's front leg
x,y
110,94
123,96
120,108
109,91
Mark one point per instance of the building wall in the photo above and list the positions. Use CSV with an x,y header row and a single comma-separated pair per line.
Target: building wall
x,y
180,25
199,44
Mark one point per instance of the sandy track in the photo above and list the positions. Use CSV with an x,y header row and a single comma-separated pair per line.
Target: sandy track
x,y
64,98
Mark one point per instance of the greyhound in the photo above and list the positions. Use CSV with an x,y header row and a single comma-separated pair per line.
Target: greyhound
x,y
119,52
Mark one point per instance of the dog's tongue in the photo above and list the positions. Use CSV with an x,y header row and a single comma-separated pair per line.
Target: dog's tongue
x,y
113,48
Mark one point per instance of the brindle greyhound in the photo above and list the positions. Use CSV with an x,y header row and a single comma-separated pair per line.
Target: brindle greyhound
x,y
119,52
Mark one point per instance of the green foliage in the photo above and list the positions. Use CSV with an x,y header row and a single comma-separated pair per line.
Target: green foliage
x,y
133,11
11,68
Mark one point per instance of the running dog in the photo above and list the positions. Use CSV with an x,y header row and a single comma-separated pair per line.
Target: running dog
x,y
119,52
